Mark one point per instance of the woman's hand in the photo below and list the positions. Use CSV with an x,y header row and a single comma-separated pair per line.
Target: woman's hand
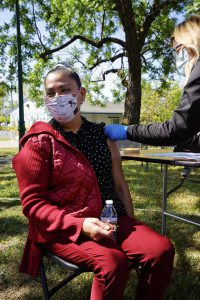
x,y
96,230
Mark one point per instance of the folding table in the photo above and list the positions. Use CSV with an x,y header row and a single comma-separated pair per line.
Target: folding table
x,y
166,157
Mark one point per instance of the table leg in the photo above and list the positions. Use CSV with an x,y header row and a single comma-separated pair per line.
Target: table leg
x,y
164,199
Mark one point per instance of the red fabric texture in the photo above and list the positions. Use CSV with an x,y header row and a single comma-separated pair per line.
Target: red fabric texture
x,y
108,260
58,189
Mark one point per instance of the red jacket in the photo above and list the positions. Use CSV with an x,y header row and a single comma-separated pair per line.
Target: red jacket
x,y
58,189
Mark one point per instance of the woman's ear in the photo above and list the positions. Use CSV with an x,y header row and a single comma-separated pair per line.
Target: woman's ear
x,y
82,94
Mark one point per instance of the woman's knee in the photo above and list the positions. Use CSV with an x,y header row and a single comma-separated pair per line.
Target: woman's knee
x,y
117,264
164,252
167,248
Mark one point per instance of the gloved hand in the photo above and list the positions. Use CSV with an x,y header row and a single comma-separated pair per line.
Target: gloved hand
x,y
116,132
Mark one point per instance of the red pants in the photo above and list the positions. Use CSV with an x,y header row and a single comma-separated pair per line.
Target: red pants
x,y
109,260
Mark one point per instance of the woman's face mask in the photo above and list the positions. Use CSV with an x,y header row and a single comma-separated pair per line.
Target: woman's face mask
x,y
181,59
63,108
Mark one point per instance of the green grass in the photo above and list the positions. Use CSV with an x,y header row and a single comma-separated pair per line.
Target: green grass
x,y
146,190
8,182
8,151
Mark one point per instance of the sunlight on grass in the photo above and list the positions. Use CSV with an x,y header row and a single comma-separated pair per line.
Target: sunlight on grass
x,y
8,151
8,182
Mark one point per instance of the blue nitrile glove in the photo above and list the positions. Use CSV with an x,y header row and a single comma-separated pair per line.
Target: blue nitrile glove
x,y
116,132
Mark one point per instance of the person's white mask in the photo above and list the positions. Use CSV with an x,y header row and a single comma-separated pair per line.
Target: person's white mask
x,y
63,108
181,59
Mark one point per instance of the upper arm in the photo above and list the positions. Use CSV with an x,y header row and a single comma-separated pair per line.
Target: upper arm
x,y
117,171
32,167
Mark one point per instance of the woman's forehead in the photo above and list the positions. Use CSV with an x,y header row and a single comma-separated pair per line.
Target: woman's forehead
x,y
59,77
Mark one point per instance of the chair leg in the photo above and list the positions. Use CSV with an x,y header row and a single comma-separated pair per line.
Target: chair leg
x,y
44,282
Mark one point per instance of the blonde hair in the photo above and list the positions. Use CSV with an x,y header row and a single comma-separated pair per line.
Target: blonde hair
x,y
188,34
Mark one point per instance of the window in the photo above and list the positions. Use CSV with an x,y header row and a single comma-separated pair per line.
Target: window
x,y
114,120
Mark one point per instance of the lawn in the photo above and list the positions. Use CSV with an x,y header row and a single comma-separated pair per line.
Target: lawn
x,y
146,190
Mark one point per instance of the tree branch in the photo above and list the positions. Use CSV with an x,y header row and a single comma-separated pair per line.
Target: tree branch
x,y
127,17
109,71
112,59
106,73
77,59
154,12
126,13
103,22
37,29
152,49
86,40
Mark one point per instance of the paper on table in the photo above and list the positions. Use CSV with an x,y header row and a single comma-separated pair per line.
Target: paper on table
x,y
179,155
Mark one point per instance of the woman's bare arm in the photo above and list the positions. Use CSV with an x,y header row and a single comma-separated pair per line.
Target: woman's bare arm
x,y
121,186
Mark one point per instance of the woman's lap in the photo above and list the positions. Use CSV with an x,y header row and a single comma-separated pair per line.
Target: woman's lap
x,y
87,253
135,240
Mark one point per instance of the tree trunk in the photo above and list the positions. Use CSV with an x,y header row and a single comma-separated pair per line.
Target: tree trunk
x,y
132,103
133,94
133,48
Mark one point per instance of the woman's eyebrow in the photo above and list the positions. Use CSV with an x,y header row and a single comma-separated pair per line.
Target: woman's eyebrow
x,y
49,89
59,86
64,83
68,84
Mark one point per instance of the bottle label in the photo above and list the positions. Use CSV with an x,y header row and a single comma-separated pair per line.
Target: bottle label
x,y
112,221
109,220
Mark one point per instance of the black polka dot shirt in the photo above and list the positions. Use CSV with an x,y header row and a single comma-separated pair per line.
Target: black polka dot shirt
x,y
91,141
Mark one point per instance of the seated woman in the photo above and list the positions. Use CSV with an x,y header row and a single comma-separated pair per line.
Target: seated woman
x,y
66,170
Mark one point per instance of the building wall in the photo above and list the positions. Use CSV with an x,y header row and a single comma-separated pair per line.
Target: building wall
x,y
106,118
32,113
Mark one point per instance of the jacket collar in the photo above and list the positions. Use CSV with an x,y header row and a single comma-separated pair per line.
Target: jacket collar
x,y
41,128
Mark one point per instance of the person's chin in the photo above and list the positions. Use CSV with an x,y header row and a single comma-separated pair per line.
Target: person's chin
x,y
64,122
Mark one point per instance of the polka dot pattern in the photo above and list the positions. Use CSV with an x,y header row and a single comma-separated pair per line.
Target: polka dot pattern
x,y
91,141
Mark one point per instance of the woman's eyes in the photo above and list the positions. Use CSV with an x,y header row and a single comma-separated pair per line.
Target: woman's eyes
x,y
50,94
63,90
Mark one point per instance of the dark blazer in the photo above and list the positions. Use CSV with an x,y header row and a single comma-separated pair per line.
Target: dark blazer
x,y
183,128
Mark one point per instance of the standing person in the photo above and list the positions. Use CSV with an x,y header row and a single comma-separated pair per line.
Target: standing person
x,y
66,170
184,126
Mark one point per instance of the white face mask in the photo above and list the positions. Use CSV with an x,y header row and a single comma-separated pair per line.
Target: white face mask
x,y
63,108
181,59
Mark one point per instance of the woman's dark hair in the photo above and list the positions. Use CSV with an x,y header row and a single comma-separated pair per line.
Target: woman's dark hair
x,y
62,66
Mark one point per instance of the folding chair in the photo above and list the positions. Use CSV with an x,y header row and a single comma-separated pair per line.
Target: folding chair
x,y
48,293
76,271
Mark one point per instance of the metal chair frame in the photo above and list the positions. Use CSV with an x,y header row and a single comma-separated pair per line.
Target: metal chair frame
x,y
48,293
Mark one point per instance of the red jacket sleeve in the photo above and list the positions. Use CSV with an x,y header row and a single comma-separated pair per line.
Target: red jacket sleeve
x,y
33,169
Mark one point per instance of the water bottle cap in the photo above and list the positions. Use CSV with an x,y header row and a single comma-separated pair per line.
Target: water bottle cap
x,y
109,201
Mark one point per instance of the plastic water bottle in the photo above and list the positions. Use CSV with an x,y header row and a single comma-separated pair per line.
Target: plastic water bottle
x,y
109,215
